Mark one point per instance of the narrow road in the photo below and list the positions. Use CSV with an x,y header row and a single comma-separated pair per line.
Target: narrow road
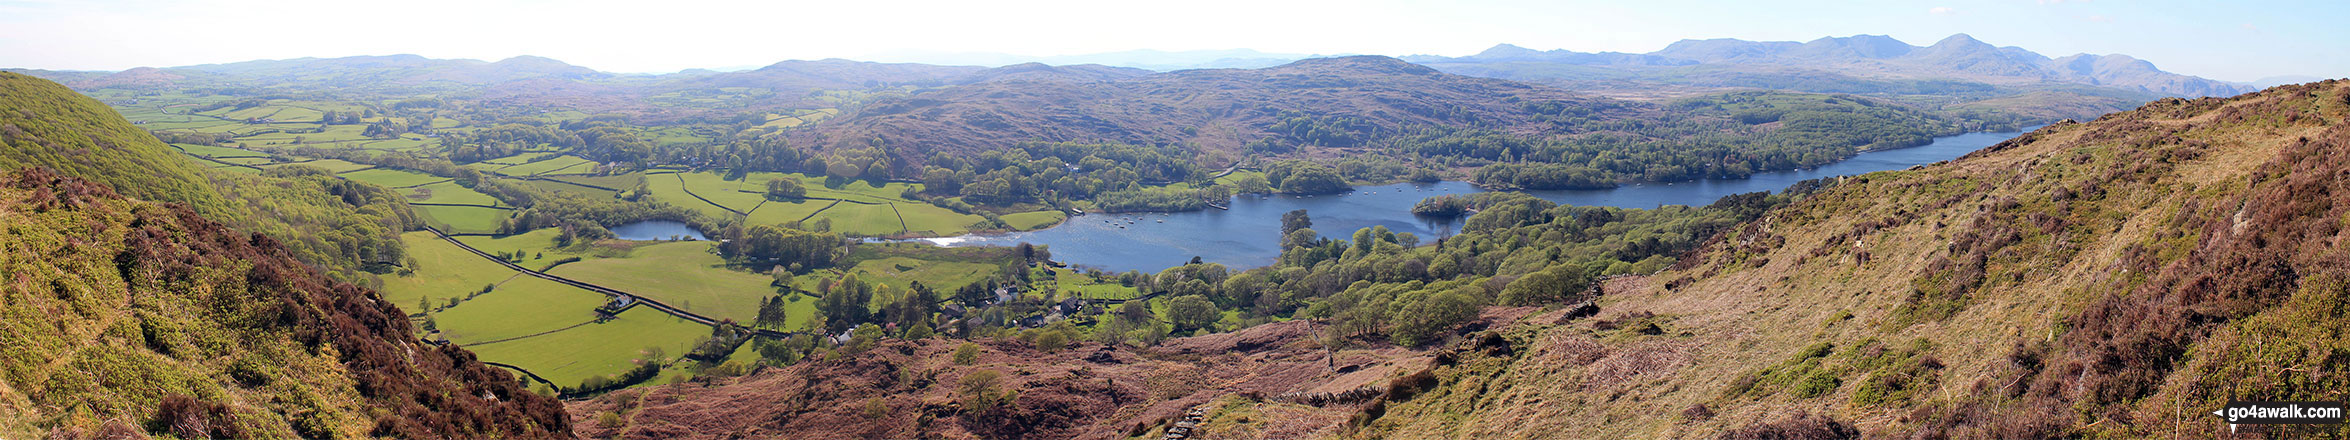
x,y
641,299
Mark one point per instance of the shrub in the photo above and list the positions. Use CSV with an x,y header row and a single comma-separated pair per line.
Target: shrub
x,y
1801,426
1817,384
967,354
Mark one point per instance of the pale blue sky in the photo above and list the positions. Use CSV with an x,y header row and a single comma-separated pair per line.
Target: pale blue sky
x,y
2221,40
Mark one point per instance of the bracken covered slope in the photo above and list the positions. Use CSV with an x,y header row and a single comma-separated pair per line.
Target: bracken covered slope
x,y
2118,278
120,317
127,307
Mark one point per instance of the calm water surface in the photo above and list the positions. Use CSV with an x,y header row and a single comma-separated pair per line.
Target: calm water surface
x,y
656,230
1249,235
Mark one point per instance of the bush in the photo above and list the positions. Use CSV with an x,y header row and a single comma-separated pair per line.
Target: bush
x,y
1801,426
1819,383
966,354
1052,340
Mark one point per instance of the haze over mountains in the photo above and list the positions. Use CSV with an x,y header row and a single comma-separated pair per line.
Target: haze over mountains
x,y
1716,63
1959,57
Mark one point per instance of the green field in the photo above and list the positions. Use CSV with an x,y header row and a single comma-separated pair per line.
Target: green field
x,y
447,193
521,307
616,181
560,187
667,188
1071,281
540,245
1034,220
463,219
392,178
330,134
900,272
330,165
442,271
217,152
570,356
249,160
682,274
557,165
727,193
858,219
867,209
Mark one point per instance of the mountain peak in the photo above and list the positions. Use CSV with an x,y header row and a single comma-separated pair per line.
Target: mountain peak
x,y
1506,50
1366,63
1961,40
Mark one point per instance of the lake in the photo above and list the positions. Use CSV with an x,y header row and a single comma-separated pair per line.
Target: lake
x,y
655,230
1248,235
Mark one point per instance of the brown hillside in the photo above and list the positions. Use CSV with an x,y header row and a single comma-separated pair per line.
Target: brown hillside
x,y
915,390
2118,278
124,317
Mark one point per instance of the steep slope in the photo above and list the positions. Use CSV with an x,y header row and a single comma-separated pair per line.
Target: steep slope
x,y
125,316
52,126
336,224
128,309
2118,278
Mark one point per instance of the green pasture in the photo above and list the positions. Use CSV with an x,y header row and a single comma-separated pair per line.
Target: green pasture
x,y
686,275
217,152
392,178
447,193
463,219
521,307
1034,220
611,347
557,165
441,271
330,165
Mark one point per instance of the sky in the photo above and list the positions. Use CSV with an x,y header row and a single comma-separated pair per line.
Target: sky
x,y
2237,41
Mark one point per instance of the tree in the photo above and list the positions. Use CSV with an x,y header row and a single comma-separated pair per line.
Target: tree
x,y
1313,178
785,189
1295,220
1252,184
788,246
1418,320
771,313
1191,312
844,306
1558,283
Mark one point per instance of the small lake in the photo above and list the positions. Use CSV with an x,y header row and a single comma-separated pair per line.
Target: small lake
x,y
656,230
1248,235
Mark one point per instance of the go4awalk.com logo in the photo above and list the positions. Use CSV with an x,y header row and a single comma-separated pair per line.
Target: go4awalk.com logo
x,y
2281,413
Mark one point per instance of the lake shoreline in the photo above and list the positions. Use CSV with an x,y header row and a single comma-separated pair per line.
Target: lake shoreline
x,y
1247,234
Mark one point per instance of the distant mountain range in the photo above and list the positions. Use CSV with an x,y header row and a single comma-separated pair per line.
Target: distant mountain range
x,y
1855,64
1741,63
1158,60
